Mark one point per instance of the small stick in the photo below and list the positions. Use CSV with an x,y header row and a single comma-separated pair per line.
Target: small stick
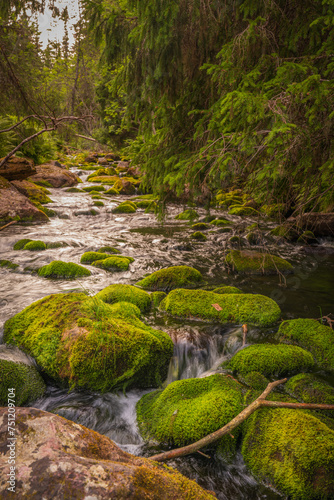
x,y
9,224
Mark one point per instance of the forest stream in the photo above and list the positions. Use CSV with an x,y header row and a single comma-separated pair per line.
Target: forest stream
x,y
199,347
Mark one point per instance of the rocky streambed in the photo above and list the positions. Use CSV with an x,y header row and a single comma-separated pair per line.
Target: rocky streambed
x,y
149,316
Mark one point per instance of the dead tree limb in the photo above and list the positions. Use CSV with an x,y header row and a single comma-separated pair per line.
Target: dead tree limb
x,y
9,224
214,436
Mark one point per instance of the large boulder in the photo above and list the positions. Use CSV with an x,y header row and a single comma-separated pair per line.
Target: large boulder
x,y
32,191
16,169
18,372
15,206
57,177
222,308
57,458
83,342
172,277
321,224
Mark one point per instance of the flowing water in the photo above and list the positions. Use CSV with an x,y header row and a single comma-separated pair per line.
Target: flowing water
x,y
199,347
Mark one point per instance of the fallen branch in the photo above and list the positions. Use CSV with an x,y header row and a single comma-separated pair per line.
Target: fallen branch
x,y
258,403
9,224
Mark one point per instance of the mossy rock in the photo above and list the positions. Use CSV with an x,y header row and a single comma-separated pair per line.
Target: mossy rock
x,y
172,277
307,238
199,236
188,410
285,232
35,246
125,208
227,289
98,204
237,241
73,190
187,215
293,450
308,388
83,342
112,191
236,308
60,269
243,211
200,226
114,263
311,335
25,379
221,222
88,189
250,262
108,249
157,298
270,359
255,380
97,197
9,264
125,293
19,245
47,211
90,257
144,203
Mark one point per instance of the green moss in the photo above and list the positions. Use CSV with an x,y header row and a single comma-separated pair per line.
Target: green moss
x,y
43,183
88,189
125,208
144,203
236,308
157,298
307,388
89,257
188,410
9,264
227,289
246,211
35,246
125,293
60,269
108,249
172,277
73,190
311,335
293,450
198,236
270,359
45,210
19,245
256,380
251,262
200,226
125,310
98,204
57,244
112,191
114,263
221,222
97,197
93,212
187,215
80,341
26,380
273,210
307,237
285,232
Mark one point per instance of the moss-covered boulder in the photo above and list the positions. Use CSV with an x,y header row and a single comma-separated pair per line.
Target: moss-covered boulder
x,y
112,191
286,232
20,244
236,241
114,263
308,388
270,359
221,222
307,238
255,380
199,236
89,189
157,298
243,211
8,263
35,246
64,270
223,308
84,342
311,335
227,289
89,257
125,293
172,277
73,190
250,262
188,410
200,226
293,450
125,208
189,214
18,373
98,204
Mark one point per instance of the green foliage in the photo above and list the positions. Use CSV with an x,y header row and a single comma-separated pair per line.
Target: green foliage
x,y
236,308
187,215
172,277
25,379
125,293
257,263
65,270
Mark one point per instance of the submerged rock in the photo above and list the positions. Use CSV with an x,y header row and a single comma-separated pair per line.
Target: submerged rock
x,y
250,262
188,410
230,308
60,269
270,359
172,277
19,373
57,177
66,460
32,191
84,342
125,293
311,335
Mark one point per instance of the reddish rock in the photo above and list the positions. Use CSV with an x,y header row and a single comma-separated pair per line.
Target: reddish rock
x,y
57,177
16,169
112,157
15,206
56,458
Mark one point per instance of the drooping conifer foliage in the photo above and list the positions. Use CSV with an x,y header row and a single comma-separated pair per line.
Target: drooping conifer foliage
x,y
223,93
